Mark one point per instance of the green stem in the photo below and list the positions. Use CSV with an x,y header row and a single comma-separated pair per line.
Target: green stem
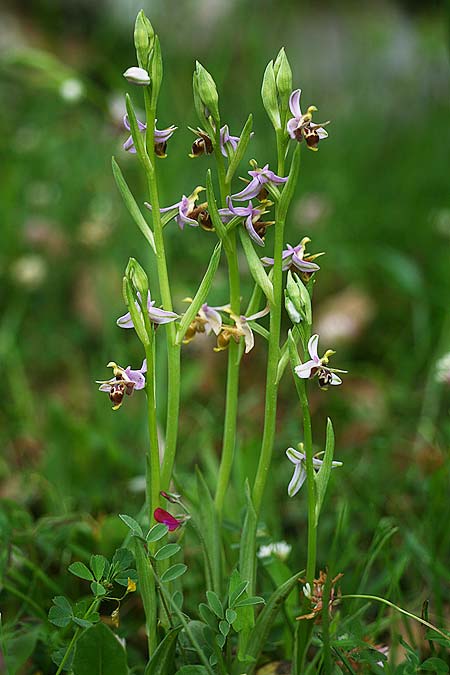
x,y
310,481
75,637
148,594
232,390
153,479
270,411
173,350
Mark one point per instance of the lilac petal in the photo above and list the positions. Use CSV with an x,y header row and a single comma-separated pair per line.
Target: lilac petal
x,y
267,261
273,178
161,316
240,211
183,220
304,265
250,191
163,135
252,232
125,321
292,127
213,318
294,103
321,132
304,369
166,208
258,315
126,123
105,387
297,479
313,343
128,146
135,376
143,368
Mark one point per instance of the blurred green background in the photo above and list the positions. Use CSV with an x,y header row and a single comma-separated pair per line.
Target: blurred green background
x,y
375,197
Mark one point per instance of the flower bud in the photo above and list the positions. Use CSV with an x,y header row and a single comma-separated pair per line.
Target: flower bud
x,y
143,38
207,92
138,76
297,300
137,277
156,71
283,76
269,96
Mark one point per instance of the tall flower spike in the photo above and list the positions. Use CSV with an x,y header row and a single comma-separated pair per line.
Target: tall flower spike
x,y
124,381
319,366
298,458
259,178
186,209
160,137
156,315
301,126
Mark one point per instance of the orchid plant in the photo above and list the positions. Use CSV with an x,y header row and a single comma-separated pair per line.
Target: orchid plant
x,y
230,631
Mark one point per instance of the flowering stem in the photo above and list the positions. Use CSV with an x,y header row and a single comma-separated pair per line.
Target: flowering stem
x,y
173,350
75,637
232,389
153,479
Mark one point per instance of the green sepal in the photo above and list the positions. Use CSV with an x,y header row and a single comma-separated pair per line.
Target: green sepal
x,y
156,72
135,273
241,148
269,96
162,661
131,205
256,267
283,78
212,208
138,137
136,315
201,294
323,475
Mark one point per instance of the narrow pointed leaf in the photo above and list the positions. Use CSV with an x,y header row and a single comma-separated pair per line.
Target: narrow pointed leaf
x,y
323,476
201,294
205,517
255,266
241,148
162,661
131,205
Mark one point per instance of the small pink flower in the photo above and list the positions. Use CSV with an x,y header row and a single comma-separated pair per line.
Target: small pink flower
x,y
162,516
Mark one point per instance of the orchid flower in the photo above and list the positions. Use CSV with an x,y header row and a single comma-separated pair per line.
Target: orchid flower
x,y
186,209
160,137
296,258
318,366
226,137
162,516
259,178
124,381
241,328
298,458
252,215
301,126
156,315
203,144
208,320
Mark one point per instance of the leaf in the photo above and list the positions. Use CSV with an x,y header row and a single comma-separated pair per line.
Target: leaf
x,y
434,665
83,623
131,205
206,520
99,652
162,661
224,627
80,570
156,532
260,632
241,148
247,569
97,589
98,565
215,604
19,646
192,670
122,559
174,572
201,294
134,526
252,600
323,476
61,612
230,615
237,592
167,551
255,266
212,207
208,616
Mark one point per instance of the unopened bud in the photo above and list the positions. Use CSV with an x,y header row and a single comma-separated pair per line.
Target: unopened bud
x,y
297,300
137,75
143,38
283,76
207,91
138,278
269,96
